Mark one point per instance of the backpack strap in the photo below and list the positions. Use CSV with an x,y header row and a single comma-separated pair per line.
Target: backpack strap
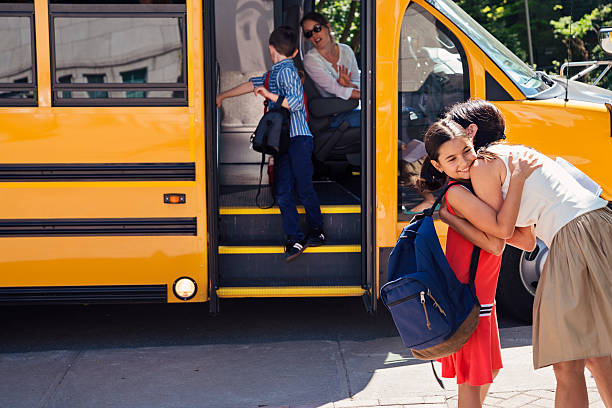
x,y
267,86
433,368
473,268
476,250
429,212
262,206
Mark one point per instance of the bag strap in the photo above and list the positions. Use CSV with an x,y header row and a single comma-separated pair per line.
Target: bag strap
x,y
267,86
476,250
429,212
261,166
473,268
436,375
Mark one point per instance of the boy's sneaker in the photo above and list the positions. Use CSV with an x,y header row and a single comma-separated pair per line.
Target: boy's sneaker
x,y
316,238
293,249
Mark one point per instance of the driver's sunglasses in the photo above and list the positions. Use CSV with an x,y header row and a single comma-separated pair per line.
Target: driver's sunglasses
x,y
317,29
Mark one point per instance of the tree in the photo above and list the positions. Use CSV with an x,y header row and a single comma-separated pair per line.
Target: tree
x,y
581,37
344,18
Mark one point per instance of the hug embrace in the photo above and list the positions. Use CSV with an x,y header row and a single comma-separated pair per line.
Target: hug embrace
x,y
519,195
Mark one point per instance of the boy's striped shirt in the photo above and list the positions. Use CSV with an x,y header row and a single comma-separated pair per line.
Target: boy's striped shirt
x,y
284,80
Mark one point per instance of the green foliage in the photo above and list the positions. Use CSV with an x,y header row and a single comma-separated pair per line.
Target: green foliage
x,y
502,18
550,28
505,19
344,19
581,35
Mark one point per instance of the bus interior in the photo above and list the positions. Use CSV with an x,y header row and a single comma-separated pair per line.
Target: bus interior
x,y
251,239
431,67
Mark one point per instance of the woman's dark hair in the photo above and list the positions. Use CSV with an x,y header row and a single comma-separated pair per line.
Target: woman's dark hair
x,y
316,17
485,115
438,133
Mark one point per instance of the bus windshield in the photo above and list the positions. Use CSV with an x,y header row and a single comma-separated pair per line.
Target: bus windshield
x,y
524,77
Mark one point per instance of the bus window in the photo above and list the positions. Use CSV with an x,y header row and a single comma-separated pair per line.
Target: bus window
x,y
432,76
134,56
17,72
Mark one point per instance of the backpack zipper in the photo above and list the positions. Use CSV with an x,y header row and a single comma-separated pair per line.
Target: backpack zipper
x,y
396,302
436,303
425,310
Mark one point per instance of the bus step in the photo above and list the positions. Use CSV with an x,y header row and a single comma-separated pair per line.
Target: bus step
x,y
328,192
291,291
250,226
265,266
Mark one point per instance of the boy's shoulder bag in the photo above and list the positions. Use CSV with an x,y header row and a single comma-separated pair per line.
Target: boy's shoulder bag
x,y
271,137
272,133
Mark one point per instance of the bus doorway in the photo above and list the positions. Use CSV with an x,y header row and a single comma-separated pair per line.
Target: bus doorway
x,y
250,260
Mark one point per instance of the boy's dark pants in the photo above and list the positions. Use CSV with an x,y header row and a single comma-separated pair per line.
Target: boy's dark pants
x,y
295,166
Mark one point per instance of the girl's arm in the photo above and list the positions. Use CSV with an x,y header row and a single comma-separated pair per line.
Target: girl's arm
x,y
488,243
523,238
489,212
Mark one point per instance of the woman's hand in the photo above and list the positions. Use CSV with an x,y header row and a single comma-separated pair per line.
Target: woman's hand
x,y
344,77
522,166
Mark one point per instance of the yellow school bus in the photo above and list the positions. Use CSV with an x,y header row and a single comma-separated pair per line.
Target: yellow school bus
x,y
122,182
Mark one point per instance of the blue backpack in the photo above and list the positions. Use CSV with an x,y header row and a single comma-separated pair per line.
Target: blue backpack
x,y
433,311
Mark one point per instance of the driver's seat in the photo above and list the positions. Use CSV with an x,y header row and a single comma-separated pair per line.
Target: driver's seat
x,y
335,150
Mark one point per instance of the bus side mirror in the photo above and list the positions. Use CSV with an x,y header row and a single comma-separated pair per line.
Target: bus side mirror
x,y
605,39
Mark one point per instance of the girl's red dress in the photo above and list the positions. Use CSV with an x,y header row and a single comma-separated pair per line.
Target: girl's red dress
x,y
476,360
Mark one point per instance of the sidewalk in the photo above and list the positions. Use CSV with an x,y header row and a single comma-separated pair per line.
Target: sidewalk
x,y
317,373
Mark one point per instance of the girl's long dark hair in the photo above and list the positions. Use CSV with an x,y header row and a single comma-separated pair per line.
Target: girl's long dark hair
x,y
438,133
490,121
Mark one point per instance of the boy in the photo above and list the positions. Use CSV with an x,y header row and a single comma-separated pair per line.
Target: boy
x,y
294,166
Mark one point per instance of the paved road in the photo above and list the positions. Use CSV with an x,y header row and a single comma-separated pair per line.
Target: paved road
x,y
256,353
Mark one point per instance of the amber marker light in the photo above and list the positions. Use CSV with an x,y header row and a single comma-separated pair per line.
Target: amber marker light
x,y
174,198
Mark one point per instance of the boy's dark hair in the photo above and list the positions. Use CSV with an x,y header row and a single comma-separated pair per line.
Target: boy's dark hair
x,y
485,115
284,40
316,17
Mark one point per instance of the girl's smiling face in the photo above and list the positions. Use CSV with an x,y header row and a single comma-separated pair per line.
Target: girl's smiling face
x,y
455,157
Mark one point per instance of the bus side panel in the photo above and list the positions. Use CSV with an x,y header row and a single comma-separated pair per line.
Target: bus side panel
x,y
73,137
96,135
112,261
579,132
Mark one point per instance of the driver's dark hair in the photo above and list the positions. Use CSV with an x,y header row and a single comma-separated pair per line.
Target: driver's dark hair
x,y
316,17
485,115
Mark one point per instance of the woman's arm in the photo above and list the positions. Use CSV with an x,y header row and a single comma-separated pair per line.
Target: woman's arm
x,y
354,70
322,78
489,212
488,243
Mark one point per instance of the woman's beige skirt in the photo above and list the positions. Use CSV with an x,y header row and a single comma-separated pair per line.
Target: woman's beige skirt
x,y
572,311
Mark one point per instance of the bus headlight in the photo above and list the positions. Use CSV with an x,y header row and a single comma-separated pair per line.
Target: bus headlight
x,y
184,288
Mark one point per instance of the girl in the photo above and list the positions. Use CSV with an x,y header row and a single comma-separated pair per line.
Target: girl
x,y
450,155
573,306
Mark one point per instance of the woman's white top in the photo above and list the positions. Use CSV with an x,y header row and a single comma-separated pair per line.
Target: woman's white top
x,y
325,76
551,196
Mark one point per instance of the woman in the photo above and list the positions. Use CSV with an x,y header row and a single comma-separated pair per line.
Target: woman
x,y
449,156
573,305
332,66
